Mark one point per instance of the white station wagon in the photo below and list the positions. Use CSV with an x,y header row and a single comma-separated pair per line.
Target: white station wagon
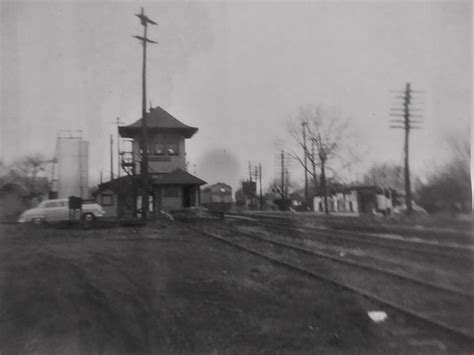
x,y
58,210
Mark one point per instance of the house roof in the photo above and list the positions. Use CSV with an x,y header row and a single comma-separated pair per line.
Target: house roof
x,y
296,196
178,177
158,120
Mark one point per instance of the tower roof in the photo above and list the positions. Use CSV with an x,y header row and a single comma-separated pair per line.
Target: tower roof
x,y
178,177
158,120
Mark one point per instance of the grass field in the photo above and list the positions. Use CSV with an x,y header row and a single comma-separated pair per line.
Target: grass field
x,y
166,290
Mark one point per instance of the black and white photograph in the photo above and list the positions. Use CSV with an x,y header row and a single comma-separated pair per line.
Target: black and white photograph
x,y
236,177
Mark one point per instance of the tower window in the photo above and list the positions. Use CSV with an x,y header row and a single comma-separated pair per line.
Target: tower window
x,y
166,146
159,149
172,145
172,149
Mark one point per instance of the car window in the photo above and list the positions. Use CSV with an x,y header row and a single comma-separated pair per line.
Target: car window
x,y
51,204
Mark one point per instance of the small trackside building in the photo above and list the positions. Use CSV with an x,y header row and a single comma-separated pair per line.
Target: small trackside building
x,y
171,186
357,200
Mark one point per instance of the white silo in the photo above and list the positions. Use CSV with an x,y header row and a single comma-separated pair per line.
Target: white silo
x,y
72,169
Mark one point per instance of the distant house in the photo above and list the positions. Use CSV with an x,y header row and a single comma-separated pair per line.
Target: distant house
x,y
171,186
357,200
297,199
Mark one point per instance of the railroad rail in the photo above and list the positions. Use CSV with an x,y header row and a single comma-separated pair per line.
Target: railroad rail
x,y
362,265
417,246
454,304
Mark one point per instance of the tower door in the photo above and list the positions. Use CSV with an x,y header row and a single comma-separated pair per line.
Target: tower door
x,y
187,191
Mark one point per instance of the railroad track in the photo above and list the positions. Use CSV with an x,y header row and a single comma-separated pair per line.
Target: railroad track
x,y
445,309
428,263
363,265
459,253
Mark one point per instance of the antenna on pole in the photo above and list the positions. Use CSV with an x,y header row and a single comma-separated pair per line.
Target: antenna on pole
x,y
144,20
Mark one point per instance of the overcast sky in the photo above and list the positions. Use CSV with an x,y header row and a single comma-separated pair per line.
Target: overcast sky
x,y
238,70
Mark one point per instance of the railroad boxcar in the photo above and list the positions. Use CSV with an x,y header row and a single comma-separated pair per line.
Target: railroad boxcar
x,y
217,198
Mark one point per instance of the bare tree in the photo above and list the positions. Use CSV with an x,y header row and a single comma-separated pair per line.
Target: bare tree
x,y
30,165
27,169
460,147
327,133
449,186
275,186
387,175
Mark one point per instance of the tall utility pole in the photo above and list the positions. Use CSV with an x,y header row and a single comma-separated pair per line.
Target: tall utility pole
x,y
282,180
256,182
111,158
250,184
407,123
305,165
118,147
144,141
315,182
260,177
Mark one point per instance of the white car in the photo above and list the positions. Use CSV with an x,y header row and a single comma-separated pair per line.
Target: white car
x,y
58,210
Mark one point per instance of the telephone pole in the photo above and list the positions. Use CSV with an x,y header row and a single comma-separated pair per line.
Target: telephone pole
x,y
117,121
111,158
406,122
144,141
260,177
305,165
256,182
282,180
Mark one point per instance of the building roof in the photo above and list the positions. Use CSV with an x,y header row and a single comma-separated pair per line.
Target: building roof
x,y
158,120
361,189
178,177
296,196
